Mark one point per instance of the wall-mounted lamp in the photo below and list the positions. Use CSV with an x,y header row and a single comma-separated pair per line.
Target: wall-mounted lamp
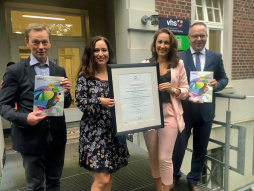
x,y
154,19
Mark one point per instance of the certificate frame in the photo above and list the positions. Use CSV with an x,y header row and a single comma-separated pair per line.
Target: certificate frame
x,y
127,115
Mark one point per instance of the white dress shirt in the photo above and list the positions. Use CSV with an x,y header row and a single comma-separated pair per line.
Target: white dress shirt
x,y
40,68
201,57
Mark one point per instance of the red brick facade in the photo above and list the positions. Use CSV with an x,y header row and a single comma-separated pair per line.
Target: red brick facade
x,y
243,31
243,40
174,8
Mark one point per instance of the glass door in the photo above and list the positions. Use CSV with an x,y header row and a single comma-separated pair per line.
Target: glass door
x,y
69,58
68,55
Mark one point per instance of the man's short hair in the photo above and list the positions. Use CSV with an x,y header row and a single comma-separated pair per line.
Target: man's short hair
x,y
197,23
36,27
10,63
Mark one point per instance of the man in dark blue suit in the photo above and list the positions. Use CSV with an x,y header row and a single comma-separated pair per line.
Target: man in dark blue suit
x,y
40,140
198,116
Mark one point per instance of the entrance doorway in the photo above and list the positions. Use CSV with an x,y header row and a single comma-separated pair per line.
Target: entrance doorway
x,y
69,33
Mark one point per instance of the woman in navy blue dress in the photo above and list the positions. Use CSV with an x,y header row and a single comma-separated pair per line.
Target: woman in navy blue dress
x,y
99,150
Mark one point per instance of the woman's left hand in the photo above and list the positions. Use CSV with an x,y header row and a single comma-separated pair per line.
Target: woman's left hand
x,y
107,102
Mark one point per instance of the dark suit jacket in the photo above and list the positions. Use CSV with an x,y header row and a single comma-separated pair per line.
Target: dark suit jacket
x,y
18,86
213,63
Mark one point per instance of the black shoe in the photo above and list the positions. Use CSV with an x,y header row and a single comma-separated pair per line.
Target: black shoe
x,y
194,187
176,181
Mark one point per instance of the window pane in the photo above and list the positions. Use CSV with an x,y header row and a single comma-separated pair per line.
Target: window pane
x,y
199,2
214,40
200,13
208,3
210,14
60,25
217,15
215,4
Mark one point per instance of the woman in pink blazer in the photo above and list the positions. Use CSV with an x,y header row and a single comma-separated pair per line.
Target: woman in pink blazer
x,y
174,87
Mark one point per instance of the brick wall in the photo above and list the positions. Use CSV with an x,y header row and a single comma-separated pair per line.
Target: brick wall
x,y
174,9
243,40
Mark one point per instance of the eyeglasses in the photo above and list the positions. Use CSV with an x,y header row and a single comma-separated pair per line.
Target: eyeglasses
x,y
202,36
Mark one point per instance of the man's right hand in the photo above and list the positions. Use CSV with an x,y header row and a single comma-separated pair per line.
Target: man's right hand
x,y
34,118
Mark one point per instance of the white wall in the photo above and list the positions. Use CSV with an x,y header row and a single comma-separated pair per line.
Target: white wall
x,y
240,109
133,39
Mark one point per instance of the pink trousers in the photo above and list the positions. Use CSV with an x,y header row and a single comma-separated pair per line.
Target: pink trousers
x,y
160,144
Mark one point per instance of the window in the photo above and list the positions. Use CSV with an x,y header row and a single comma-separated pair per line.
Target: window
x,y
211,13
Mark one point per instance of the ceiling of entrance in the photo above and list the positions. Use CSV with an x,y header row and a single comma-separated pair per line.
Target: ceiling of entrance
x,y
60,25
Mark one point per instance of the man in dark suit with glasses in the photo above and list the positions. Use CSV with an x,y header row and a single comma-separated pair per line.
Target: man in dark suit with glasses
x,y
198,117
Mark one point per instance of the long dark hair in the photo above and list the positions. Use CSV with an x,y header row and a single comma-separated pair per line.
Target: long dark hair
x,y
173,57
88,65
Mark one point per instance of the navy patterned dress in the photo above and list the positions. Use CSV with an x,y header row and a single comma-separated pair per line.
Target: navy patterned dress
x,y
99,150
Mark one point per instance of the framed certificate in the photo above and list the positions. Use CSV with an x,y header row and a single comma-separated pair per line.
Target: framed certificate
x,y
138,105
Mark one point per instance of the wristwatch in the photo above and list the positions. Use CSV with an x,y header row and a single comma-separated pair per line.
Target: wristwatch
x,y
175,91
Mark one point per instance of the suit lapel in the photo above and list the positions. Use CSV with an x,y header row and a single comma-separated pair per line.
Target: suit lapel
x,y
190,60
207,59
30,71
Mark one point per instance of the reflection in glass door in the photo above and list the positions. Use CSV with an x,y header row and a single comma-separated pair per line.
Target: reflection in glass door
x,y
70,60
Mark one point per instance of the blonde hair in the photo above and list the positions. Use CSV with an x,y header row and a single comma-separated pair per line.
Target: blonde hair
x,y
36,27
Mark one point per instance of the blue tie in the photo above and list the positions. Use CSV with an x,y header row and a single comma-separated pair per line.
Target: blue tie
x,y
198,65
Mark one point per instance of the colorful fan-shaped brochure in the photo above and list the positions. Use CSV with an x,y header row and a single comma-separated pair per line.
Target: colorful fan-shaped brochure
x,y
199,86
49,95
